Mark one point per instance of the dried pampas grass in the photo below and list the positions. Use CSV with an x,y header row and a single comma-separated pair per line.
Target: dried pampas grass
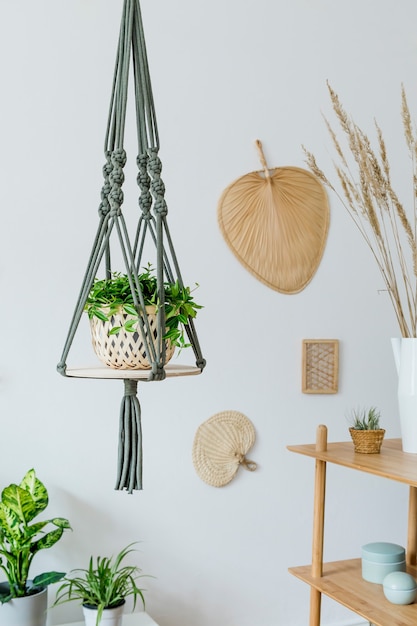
x,y
366,191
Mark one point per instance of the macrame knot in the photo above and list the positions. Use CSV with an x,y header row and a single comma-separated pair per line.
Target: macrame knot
x,y
161,207
104,207
131,387
145,198
143,180
105,190
158,187
157,372
116,199
155,164
117,177
142,161
61,368
107,167
118,157
145,204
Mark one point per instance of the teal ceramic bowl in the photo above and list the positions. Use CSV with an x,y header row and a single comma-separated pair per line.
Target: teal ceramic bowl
x,y
400,588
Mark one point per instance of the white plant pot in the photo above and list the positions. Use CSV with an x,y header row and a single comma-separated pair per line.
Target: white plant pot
x,y
25,611
110,617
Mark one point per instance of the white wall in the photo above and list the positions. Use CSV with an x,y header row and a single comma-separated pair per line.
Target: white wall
x,y
224,74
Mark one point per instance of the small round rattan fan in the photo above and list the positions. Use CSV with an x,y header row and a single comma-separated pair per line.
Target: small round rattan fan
x,y
276,224
220,446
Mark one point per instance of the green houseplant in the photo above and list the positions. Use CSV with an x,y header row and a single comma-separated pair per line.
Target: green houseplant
x,y
20,539
24,601
103,586
113,314
365,430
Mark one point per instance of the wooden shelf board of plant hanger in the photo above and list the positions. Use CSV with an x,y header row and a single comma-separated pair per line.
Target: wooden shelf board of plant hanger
x,y
109,373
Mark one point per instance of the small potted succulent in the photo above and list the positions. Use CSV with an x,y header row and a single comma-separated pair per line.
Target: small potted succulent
x,y
21,538
102,588
118,323
366,433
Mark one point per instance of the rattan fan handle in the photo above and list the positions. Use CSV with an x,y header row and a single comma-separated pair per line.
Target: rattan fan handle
x,y
251,466
262,159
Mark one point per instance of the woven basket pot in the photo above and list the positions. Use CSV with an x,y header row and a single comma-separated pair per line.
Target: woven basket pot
x,y
367,441
125,350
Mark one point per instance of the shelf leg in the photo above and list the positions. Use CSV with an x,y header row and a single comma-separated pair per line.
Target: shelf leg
x,y
318,525
412,527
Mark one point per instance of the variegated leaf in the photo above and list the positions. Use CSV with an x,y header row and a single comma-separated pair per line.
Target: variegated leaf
x,y
36,489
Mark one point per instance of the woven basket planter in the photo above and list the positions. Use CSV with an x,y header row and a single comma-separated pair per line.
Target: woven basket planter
x,y
367,441
125,350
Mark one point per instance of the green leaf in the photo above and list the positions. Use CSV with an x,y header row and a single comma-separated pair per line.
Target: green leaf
x,y
173,333
100,314
130,309
48,578
130,326
61,522
10,523
48,540
20,503
5,596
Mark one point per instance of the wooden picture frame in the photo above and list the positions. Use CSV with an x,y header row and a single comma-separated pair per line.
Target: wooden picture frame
x,y
320,366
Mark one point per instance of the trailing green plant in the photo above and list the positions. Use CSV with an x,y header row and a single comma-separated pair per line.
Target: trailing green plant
x,y
114,295
20,540
105,584
366,419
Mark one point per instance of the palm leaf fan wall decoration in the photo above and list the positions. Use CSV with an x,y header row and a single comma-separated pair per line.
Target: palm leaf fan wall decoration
x,y
276,223
151,236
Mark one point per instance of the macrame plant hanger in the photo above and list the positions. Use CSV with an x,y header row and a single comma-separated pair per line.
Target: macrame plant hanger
x,y
151,226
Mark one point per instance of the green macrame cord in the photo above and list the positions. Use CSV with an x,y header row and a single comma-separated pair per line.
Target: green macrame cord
x,y
152,225
130,440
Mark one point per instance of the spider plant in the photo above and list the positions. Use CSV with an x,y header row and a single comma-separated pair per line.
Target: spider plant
x,y
105,584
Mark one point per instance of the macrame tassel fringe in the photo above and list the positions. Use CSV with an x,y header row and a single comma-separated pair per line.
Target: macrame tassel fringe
x,y
129,470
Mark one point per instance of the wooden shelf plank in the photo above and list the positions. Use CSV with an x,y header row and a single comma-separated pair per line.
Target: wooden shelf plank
x,y
391,463
104,372
342,581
